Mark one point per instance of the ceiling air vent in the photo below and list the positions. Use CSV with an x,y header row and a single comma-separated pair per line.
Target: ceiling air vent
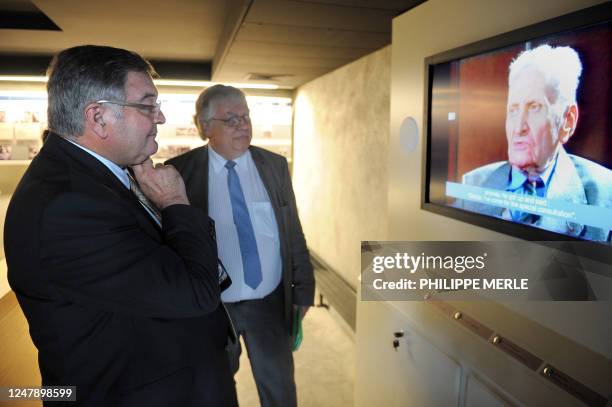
x,y
273,77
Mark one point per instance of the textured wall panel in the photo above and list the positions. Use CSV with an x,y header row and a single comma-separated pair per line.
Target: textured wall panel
x,y
341,137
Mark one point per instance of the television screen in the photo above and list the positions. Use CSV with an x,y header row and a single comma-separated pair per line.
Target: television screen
x,y
519,130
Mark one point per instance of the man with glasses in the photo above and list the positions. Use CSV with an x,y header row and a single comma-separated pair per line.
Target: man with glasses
x,y
115,271
248,193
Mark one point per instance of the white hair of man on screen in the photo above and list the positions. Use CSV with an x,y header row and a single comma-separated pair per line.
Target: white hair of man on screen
x,y
561,67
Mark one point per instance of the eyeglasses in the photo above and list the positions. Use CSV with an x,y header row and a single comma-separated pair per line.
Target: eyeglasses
x,y
152,110
235,121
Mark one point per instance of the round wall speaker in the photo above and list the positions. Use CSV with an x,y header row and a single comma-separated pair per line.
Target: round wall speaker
x,y
409,134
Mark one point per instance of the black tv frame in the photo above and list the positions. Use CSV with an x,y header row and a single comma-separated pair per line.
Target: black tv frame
x,y
572,21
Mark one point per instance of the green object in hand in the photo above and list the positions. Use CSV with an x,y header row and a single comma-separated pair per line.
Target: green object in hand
x,y
296,329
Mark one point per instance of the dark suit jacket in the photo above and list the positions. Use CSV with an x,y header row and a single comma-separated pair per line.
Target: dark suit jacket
x,y
115,304
298,278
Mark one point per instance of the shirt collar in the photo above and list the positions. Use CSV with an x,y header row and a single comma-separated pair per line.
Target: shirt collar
x,y
518,177
218,161
119,172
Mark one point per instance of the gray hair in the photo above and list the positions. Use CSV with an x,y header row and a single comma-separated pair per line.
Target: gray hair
x,y
81,75
206,103
561,68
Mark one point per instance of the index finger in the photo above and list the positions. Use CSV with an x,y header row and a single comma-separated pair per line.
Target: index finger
x,y
142,168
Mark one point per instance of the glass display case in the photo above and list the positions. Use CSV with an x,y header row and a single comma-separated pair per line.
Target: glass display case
x,y
271,118
23,115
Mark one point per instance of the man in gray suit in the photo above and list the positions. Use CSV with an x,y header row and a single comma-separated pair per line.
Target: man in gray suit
x,y
247,191
541,116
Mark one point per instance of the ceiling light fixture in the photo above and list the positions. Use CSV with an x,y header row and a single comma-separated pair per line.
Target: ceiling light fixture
x,y
23,78
159,82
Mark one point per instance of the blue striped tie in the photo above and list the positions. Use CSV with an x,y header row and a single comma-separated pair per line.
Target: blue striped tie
x,y
530,188
251,264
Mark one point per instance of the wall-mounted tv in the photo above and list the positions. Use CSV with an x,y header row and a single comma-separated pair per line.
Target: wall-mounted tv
x,y
519,130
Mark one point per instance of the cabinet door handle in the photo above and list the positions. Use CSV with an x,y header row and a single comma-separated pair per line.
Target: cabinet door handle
x,y
397,335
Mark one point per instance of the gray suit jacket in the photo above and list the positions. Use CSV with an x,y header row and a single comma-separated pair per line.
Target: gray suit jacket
x,y
575,180
298,277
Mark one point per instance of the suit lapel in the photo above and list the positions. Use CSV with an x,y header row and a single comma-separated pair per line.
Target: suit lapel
x,y
270,181
497,178
81,162
565,185
85,165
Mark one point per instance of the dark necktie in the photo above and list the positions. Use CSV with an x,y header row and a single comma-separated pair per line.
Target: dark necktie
x,y
251,264
530,188
144,201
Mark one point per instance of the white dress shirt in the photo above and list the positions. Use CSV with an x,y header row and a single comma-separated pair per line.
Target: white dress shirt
x,y
262,218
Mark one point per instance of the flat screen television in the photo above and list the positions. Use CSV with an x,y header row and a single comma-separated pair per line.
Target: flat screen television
x,y
520,154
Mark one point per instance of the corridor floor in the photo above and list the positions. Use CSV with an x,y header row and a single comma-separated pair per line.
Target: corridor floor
x,y
324,366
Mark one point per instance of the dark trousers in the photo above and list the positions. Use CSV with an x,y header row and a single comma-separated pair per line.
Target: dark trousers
x,y
261,325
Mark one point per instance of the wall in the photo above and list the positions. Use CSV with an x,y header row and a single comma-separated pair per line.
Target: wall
x,y
414,38
574,336
341,133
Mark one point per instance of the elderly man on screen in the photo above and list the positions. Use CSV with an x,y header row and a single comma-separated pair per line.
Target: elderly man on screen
x,y
541,117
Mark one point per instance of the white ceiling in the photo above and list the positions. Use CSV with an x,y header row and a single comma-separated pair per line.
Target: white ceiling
x,y
293,41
